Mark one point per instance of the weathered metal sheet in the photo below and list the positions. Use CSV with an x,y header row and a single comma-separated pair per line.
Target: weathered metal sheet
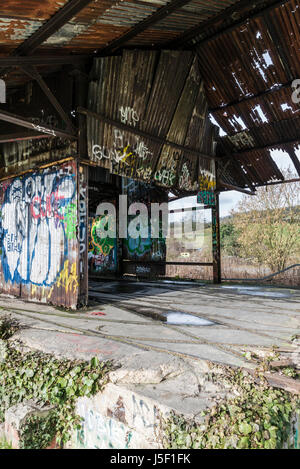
x,y
33,9
15,31
187,17
247,60
25,155
81,232
135,90
39,247
251,93
17,156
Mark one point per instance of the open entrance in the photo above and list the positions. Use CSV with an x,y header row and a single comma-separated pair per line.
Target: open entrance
x,y
103,251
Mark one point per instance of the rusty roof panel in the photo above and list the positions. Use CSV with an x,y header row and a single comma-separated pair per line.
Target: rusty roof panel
x,y
247,63
65,34
179,21
261,167
134,89
95,37
31,9
126,14
260,55
15,31
151,37
92,11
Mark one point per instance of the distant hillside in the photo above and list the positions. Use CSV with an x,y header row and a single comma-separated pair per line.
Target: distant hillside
x,y
228,218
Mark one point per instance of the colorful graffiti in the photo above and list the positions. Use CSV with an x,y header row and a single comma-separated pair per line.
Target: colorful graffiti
x,y
206,198
103,244
140,246
102,249
68,278
71,220
207,181
37,225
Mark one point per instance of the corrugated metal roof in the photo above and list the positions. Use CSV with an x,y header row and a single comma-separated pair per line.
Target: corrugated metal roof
x,y
255,56
135,89
248,73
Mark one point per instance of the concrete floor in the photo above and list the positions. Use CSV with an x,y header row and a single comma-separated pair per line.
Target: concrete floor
x,y
214,323
138,326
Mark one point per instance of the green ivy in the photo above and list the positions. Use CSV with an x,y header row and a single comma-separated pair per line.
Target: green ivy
x,y
45,379
8,327
38,432
258,417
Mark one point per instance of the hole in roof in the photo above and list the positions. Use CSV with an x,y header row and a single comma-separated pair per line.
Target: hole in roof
x,y
259,114
283,161
287,107
237,121
222,132
261,63
238,83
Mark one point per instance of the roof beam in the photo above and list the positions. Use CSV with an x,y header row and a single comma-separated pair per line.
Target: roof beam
x,y
33,73
59,19
153,138
272,30
13,137
231,187
44,129
275,183
43,60
269,146
252,97
294,158
202,27
157,16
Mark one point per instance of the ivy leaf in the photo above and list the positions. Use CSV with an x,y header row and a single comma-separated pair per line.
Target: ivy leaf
x,y
245,428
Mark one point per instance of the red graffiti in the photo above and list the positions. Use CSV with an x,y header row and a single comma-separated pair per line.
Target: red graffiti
x,y
97,313
51,209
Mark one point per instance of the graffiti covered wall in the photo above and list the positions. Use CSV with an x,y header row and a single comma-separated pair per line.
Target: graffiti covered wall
x,y
38,241
102,251
143,252
163,104
118,418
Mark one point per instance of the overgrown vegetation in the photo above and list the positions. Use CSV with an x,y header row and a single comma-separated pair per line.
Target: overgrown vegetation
x,y
8,327
257,417
38,432
229,239
266,227
46,380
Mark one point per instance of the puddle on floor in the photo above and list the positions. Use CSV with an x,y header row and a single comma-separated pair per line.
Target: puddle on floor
x,y
257,291
172,317
184,319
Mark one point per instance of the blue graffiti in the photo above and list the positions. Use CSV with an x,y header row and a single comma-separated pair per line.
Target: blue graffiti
x,y
32,230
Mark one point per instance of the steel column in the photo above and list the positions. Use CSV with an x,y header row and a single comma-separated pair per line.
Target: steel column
x,y
216,246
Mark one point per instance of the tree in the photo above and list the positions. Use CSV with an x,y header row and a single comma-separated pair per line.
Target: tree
x,y
269,225
229,239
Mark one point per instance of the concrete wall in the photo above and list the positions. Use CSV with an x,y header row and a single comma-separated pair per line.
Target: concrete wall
x,y
122,419
119,418
38,241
